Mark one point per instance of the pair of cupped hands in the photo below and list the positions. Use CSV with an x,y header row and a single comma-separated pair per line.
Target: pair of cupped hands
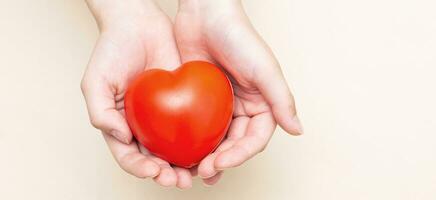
x,y
136,36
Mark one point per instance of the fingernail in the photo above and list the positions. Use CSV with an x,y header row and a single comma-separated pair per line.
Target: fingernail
x,y
206,185
206,177
154,172
219,169
298,127
181,189
185,188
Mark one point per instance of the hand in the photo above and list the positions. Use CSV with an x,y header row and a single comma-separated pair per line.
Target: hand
x,y
220,32
135,35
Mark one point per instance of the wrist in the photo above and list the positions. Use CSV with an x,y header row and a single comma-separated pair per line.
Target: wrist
x,y
115,13
209,5
205,1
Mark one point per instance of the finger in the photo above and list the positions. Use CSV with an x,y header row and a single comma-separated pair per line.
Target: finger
x,y
273,87
194,171
167,176
206,168
101,103
184,178
102,113
258,133
269,79
212,180
130,159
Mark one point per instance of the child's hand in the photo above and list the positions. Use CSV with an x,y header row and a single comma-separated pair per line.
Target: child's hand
x,y
135,35
220,32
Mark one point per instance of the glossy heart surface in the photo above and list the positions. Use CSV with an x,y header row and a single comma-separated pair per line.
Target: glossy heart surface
x,y
180,116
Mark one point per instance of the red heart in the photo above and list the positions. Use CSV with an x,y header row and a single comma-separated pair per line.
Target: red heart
x,y
180,116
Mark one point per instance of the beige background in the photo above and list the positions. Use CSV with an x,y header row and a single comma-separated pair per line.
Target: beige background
x,y
363,72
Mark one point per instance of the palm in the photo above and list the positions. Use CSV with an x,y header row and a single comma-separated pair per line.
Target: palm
x,y
129,51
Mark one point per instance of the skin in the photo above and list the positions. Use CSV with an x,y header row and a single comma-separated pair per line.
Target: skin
x,y
136,35
220,32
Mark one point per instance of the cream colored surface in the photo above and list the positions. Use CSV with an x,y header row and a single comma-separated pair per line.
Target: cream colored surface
x,y
363,73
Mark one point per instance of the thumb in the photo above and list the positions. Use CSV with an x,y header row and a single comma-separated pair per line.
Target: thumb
x,y
102,111
273,87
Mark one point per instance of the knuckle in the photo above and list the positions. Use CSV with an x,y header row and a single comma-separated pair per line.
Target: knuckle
x,y
97,121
